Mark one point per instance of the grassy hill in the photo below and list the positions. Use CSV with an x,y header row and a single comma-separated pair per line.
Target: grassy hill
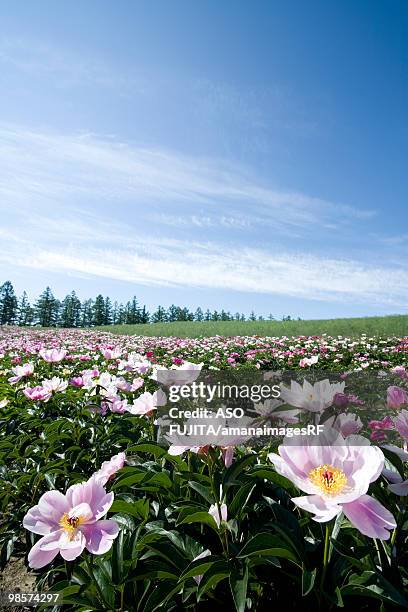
x,y
396,325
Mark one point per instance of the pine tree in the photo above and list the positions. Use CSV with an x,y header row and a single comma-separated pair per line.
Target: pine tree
x,y
121,314
144,316
207,316
198,315
8,304
237,316
183,314
25,314
66,315
108,312
70,313
86,313
159,316
115,313
215,316
47,309
172,313
252,316
76,309
133,314
98,311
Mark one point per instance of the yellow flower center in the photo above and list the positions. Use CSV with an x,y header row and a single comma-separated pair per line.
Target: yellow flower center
x,y
71,523
329,479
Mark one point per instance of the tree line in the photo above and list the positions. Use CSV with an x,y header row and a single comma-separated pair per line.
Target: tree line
x,y
48,311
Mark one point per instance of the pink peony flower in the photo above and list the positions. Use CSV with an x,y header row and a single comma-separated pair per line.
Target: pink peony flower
x,y
341,400
55,384
21,372
71,522
306,362
269,411
385,423
77,381
396,397
401,424
145,404
117,405
52,355
38,393
336,478
122,384
314,398
347,424
111,353
378,436
344,399
181,375
136,384
109,468
400,371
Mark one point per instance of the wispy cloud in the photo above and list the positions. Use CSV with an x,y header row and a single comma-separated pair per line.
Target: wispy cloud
x,y
99,251
45,166
62,191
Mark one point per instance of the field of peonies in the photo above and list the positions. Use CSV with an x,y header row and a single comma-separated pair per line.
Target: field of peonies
x,y
112,518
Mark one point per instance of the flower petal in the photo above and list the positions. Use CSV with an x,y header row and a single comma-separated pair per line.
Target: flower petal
x,y
100,535
92,493
399,488
52,505
314,503
44,551
370,517
71,548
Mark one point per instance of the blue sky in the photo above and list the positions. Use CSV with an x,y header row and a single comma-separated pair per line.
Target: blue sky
x,y
223,154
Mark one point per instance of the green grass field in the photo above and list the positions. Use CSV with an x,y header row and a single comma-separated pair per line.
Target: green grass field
x,y
396,325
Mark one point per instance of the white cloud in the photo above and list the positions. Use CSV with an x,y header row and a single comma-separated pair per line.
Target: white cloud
x,y
42,167
55,187
169,262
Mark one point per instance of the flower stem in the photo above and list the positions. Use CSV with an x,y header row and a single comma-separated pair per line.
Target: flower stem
x,y
326,556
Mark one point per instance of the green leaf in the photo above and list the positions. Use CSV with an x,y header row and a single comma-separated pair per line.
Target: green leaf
x,y
168,551
199,566
372,584
148,447
236,468
117,558
217,572
241,499
161,593
353,556
239,583
200,517
202,490
308,580
139,509
269,473
267,544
